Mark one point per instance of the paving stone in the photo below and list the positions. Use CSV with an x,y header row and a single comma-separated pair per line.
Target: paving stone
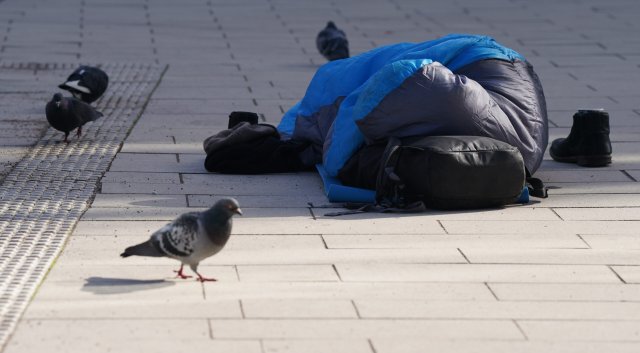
x,y
535,227
403,241
497,310
593,188
117,228
146,269
612,241
516,273
139,200
139,147
130,336
552,256
341,329
298,308
566,292
138,308
360,225
316,346
416,345
630,274
141,177
581,330
50,331
259,201
274,242
587,201
583,175
288,273
599,213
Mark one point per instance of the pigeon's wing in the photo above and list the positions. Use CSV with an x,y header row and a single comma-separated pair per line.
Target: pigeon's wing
x,y
96,81
83,112
177,238
86,83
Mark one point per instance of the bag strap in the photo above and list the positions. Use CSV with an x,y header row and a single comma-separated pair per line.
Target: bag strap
x,y
352,208
536,186
388,184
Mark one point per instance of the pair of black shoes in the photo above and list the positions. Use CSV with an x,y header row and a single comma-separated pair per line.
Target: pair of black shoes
x,y
588,143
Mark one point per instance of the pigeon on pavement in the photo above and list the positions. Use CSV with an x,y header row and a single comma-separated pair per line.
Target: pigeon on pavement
x,y
66,113
86,83
191,238
332,43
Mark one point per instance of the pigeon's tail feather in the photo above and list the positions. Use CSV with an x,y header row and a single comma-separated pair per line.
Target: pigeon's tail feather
x,y
143,249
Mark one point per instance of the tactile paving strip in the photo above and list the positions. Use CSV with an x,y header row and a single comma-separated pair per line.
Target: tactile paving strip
x,y
49,189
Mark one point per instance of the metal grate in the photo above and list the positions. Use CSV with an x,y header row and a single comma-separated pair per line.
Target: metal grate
x,y
43,197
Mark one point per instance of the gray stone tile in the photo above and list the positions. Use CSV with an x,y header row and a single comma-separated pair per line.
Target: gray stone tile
x,y
483,310
154,342
301,329
404,241
298,308
417,344
599,213
581,330
534,227
630,274
583,175
612,241
598,189
553,256
566,292
585,200
476,273
287,273
137,308
260,201
139,200
141,177
317,346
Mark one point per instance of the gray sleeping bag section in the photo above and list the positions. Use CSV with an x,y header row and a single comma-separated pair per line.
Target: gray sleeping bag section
x,y
494,98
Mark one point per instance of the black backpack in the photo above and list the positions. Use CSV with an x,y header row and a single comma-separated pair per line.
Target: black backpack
x,y
448,173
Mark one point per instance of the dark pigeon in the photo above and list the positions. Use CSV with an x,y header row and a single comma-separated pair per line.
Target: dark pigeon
x,y
191,238
87,83
66,113
332,43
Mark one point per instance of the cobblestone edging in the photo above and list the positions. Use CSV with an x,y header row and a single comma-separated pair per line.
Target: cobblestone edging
x,y
43,197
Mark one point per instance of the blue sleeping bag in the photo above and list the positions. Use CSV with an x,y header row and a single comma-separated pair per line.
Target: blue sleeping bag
x,y
457,85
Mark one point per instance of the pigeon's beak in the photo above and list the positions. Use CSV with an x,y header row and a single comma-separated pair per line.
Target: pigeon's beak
x,y
238,211
58,104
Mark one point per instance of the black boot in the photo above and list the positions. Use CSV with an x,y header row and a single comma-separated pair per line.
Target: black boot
x,y
588,143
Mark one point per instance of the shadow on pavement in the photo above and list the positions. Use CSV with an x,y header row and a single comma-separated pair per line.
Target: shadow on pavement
x,y
102,285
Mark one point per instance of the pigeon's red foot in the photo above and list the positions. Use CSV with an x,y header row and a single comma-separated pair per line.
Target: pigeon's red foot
x,y
180,274
204,279
79,132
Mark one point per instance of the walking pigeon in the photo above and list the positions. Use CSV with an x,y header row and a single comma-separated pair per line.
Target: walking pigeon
x,y
332,43
66,113
191,238
86,83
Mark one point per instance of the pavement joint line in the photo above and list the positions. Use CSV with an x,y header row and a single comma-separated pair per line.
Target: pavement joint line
x,y
46,193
